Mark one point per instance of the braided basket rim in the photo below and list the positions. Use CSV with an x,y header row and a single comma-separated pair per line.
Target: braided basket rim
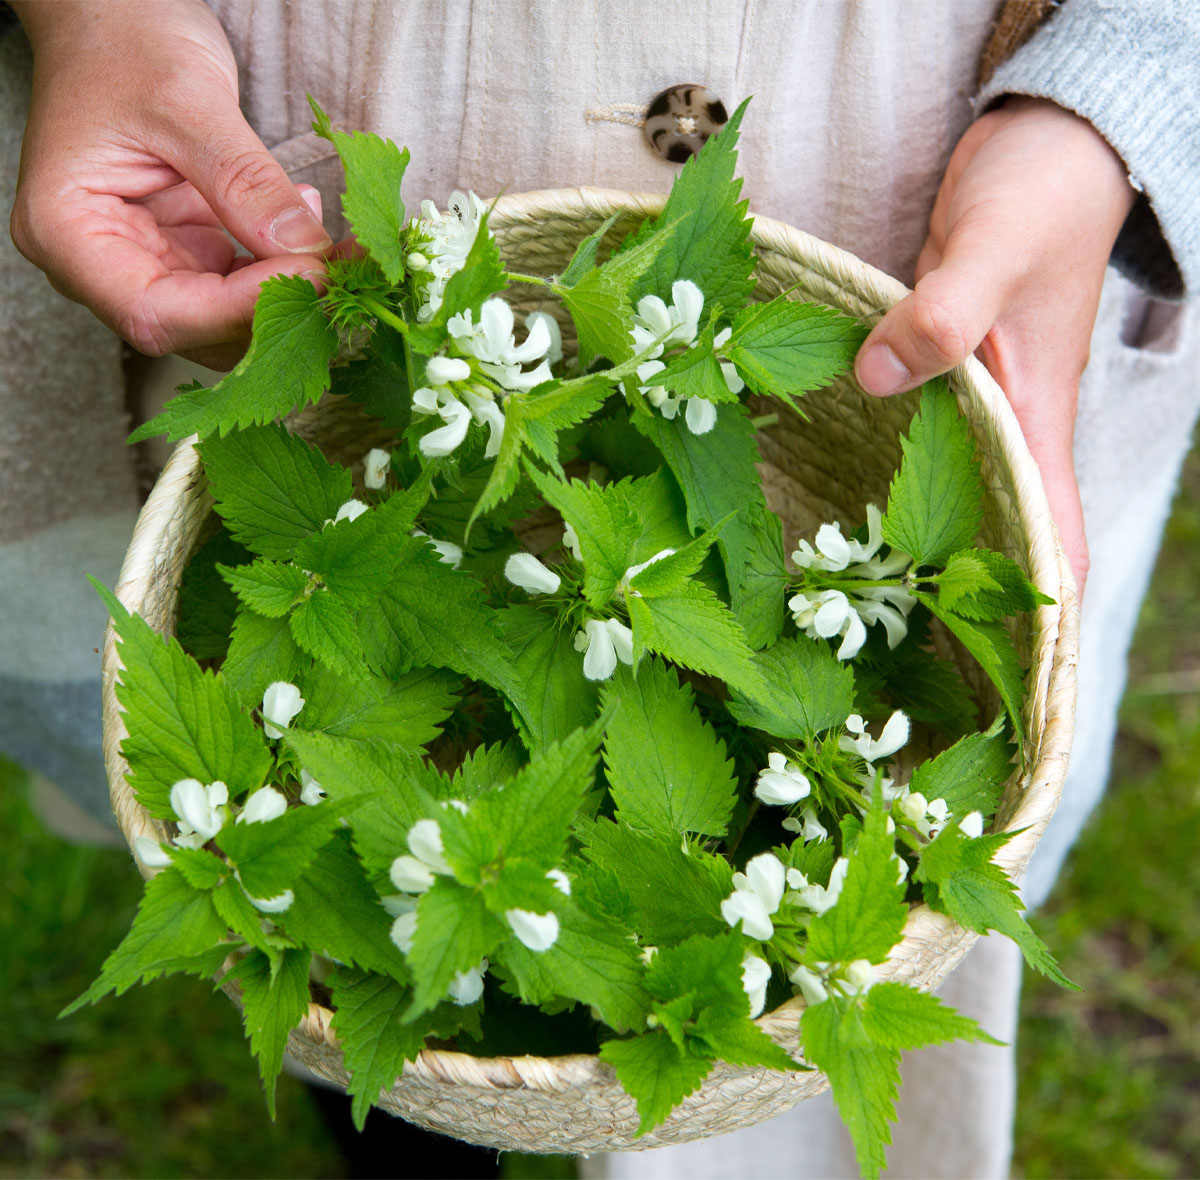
x,y
932,945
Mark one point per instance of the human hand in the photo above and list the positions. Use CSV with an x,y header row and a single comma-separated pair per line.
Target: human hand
x,y
1021,232
135,156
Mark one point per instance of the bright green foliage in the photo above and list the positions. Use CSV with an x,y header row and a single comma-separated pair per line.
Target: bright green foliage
x,y
667,770
654,1070
323,625
200,869
287,365
868,918
711,246
591,961
696,372
785,349
270,856
669,574
757,596
486,767
806,689
274,1001
335,909
183,722
673,894
272,489
606,522
552,695
586,252
269,588
261,651
176,929
375,1040
999,588
374,169
407,712
971,774
239,914
693,627
900,1017
961,880
935,501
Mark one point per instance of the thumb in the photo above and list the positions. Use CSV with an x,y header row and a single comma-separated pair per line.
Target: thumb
x,y
939,324
248,190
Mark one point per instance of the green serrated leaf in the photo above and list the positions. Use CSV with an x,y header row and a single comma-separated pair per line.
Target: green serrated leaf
x,y
272,489
200,869
182,722
785,349
324,626
275,999
379,382
965,575
261,651
758,595
286,365
807,690
584,257
897,1016
696,372
962,881
668,574
935,502
269,588
374,170
667,770
655,1073
1002,590
971,774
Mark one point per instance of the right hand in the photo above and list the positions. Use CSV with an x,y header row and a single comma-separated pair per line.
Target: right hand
x,y
136,159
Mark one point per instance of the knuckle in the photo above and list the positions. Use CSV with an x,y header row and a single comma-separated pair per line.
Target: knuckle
x,y
245,173
27,225
938,331
141,328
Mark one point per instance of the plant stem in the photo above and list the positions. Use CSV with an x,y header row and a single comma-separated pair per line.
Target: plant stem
x,y
530,280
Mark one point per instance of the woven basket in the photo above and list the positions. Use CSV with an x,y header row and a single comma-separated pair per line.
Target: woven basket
x,y
827,468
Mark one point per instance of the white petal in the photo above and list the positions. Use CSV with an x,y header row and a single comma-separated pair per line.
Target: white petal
x,y
404,930
813,828
894,735
701,415
410,875
496,326
571,541
781,789
733,379
311,791
189,801
856,636
653,313
833,546
447,439
747,908
561,881
554,352
622,640
448,552
756,974
777,761
600,659
831,614
376,466
859,974
766,875
425,400
524,570
151,853
536,344
648,369
467,986
351,510
689,303
524,382
264,805
811,986
722,338
855,724
281,702
441,370
538,932
971,826
272,905
425,842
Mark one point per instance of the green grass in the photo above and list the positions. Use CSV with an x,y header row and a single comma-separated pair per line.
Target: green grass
x,y
159,1082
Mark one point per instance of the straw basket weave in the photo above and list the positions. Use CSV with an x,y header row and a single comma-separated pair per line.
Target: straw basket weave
x,y
823,469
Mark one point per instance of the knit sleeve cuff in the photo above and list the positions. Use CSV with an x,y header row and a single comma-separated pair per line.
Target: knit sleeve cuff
x,y
1133,71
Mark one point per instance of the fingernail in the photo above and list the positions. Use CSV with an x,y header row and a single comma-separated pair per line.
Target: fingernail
x,y
312,199
880,371
298,232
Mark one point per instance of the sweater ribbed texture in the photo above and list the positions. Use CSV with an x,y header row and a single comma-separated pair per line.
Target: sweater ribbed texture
x,y
1133,71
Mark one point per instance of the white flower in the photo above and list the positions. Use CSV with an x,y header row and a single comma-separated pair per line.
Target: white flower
x,y
151,853
756,895
571,541
492,343
450,238
425,843
467,986
700,415
311,791
538,932
678,324
819,898
756,974
733,379
782,783
272,905
404,930
265,804
927,816
895,734
376,466
604,642
808,826
827,614
554,353
859,975
811,985
351,510
970,826
560,880
201,810
281,702
446,439
448,552
524,570
411,875
482,404
442,370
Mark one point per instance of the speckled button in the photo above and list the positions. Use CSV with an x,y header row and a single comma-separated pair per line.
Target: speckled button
x,y
680,120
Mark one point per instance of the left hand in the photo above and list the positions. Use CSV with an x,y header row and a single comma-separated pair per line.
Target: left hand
x,y
1021,232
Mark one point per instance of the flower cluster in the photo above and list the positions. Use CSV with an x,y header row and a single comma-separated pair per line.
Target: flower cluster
x,y
848,611
767,885
445,240
659,327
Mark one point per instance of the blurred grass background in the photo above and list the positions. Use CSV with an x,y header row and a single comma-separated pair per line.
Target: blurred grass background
x,y
159,1082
